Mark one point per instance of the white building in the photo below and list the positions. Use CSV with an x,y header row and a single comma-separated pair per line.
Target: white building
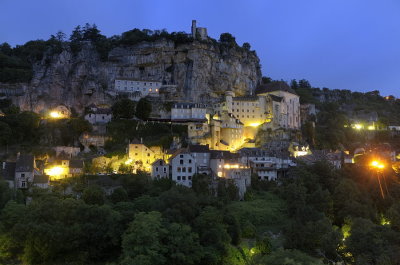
x,y
267,165
159,169
276,105
24,171
188,112
227,165
289,106
97,115
183,167
136,89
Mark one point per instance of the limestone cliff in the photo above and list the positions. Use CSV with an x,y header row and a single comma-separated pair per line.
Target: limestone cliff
x,y
200,70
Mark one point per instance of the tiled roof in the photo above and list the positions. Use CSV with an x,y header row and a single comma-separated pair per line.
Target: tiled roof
x,y
8,172
245,98
216,154
274,86
186,105
197,148
25,163
138,80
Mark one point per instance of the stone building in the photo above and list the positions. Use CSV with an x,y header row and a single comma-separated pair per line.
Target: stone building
x,y
183,112
159,169
24,171
198,32
136,89
96,115
142,157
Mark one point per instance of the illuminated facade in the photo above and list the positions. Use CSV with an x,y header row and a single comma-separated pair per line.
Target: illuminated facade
x,y
137,89
188,112
142,157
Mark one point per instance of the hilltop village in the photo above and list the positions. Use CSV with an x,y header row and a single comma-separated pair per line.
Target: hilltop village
x,y
161,148
228,136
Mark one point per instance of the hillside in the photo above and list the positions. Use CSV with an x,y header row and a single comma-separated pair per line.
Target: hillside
x,y
81,71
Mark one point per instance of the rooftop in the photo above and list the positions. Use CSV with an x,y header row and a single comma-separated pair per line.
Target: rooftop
x,y
25,163
274,86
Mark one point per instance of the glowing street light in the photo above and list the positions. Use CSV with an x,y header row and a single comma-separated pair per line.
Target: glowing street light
x,y
55,115
379,167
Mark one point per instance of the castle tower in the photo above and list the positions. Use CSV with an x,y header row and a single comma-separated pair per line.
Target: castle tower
x,y
228,100
194,29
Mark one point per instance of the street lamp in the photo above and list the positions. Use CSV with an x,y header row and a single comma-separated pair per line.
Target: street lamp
x,y
378,166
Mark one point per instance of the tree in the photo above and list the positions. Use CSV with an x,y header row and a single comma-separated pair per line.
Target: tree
x,y
93,195
5,48
304,84
143,109
201,184
246,46
5,133
119,195
266,80
227,38
77,34
213,235
288,256
182,245
124,108
141,243
294,85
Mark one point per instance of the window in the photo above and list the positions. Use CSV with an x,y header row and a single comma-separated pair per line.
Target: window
x,y
179,169
183,177
189,177
156,169
165,169
178,177
181,161
190,161
189,169
184,169
23,175
181,156
23,184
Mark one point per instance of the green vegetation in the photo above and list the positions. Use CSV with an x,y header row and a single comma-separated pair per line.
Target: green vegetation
x,y
151,133
143,109
317,215
16,63
124,108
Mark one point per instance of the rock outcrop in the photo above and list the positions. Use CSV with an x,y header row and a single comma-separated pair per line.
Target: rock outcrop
x,y
200,70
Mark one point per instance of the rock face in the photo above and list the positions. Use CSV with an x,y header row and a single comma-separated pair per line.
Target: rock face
x,y
201,71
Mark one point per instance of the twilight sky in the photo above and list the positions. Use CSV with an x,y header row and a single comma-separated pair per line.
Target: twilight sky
x,y
344,44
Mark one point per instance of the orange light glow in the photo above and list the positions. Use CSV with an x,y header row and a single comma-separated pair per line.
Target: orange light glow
x,y
377,164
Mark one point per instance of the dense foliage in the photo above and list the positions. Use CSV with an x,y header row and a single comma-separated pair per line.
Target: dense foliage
x,y
316,215
16,63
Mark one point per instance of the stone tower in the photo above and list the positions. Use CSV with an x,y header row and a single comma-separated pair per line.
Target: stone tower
x,y
194,29
228,100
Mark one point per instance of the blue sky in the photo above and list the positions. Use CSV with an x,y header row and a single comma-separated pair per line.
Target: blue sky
x,y
344,44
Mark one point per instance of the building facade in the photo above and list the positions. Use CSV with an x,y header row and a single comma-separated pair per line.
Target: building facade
x,y
188,112
137,89
97,115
